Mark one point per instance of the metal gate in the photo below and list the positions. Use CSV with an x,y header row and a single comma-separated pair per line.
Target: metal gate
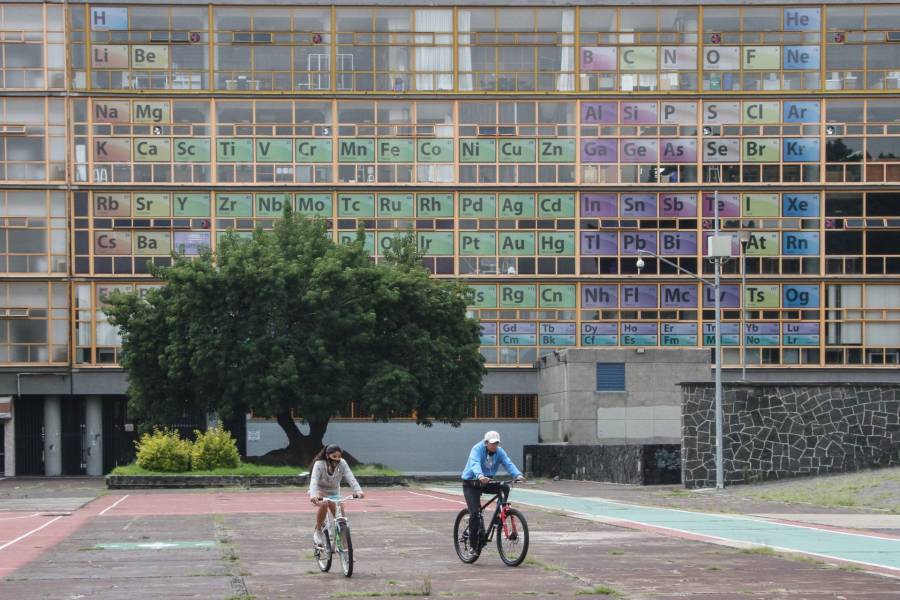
x,y
118,444
72,432
29,436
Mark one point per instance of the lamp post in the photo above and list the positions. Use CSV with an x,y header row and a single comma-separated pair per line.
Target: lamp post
x,y
718,249
744,237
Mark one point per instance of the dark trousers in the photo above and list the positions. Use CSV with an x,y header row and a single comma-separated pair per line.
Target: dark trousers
x,y
472,491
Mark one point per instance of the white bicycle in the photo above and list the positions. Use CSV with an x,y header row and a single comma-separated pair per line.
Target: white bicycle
x,y
336,536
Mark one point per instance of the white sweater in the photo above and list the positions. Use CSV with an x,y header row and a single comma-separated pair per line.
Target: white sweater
x,y
324,484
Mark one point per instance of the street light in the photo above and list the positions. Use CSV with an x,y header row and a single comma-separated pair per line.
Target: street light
x,y
744,237
718,249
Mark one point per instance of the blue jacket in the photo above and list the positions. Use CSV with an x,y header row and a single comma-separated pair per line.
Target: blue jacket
x,y
481,463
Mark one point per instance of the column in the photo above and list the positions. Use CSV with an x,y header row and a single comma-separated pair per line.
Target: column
x,y
52,436
93,424
9,443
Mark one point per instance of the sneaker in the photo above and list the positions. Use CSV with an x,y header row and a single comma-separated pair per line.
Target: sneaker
x,y
318,540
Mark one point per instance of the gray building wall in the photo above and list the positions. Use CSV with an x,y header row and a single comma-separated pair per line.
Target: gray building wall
x,y
403,445
648,411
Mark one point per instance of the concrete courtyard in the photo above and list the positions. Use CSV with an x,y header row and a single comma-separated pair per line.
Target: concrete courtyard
x,y
71,539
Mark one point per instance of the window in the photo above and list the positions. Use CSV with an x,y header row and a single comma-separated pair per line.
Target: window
x,y
34,323
516,50
33,237
147,48
24,38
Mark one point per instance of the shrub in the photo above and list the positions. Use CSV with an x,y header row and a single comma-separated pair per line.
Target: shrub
x,y
164,450
214,449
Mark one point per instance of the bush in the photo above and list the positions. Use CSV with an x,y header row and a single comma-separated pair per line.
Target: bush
x,y
214,449
164,450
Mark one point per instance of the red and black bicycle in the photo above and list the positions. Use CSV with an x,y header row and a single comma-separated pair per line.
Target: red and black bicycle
x,y
507,523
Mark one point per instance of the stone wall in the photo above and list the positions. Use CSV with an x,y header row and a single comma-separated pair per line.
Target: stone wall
x,y
776,431
633,463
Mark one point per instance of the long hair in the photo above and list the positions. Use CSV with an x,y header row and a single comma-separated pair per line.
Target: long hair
x,y
320,455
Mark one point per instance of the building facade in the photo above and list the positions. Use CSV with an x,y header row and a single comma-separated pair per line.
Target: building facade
x,y
535,149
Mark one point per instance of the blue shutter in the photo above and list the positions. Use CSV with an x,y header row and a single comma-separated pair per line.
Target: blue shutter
x,y
610,377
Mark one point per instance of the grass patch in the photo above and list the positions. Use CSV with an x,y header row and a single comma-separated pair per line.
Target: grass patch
x,y
543,565
616,553
375,470
762,550
597,590
423,590
713,568
254,470
867,489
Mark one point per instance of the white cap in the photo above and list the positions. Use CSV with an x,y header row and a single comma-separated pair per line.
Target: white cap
x,y
492,437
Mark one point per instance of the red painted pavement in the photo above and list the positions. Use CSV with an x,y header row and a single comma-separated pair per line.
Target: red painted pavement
x,y
199,503
25,536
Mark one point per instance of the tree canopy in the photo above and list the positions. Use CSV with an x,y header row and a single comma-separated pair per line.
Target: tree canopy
x,y
287,322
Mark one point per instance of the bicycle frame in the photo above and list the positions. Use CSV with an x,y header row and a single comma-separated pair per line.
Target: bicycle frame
x,y
333,521
498,519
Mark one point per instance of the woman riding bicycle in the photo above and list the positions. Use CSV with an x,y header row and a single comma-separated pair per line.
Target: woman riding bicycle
x,y
328,469
484,460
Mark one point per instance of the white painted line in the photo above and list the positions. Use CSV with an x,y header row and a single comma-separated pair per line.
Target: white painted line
x,y
113,505
25,535
438,498
21,517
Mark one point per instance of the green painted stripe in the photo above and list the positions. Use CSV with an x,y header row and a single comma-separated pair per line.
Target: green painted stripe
x,y
154,545
860,547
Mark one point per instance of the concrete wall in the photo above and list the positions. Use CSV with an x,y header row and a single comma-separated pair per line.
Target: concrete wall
x,y
648,411
776,431
403,445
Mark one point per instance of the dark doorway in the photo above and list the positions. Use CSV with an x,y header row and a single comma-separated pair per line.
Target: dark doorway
x,y
29,415
118,444
72,433
2,448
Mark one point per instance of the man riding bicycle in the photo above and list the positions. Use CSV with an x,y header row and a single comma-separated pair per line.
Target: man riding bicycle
x,y
484,460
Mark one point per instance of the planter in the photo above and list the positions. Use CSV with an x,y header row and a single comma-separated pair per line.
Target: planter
x,y
135,482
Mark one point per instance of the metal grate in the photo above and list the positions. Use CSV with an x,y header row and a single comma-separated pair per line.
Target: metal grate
x,y
610,377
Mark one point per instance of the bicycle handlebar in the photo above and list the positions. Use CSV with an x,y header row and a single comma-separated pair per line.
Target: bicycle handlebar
x,y
339,500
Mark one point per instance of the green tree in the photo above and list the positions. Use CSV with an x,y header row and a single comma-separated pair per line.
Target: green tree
x,y
287,322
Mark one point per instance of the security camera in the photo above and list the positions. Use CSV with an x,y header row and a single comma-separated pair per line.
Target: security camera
x,y
640,265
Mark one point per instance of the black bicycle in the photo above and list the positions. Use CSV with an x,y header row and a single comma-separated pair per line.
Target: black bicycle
x,y
507,523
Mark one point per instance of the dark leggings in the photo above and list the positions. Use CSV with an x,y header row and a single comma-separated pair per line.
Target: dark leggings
x,y
472,491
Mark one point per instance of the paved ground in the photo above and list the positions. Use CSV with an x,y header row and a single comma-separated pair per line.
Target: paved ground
x,y
232,544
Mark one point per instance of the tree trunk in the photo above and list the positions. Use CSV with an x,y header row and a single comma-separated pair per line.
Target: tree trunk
x,y
301,449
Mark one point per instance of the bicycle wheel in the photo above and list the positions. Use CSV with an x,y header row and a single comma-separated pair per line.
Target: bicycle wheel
x,y
466,552
344,547
323,555
512,539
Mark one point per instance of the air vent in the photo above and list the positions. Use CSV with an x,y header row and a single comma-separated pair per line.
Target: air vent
x,y
251,37
12,129
169,37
